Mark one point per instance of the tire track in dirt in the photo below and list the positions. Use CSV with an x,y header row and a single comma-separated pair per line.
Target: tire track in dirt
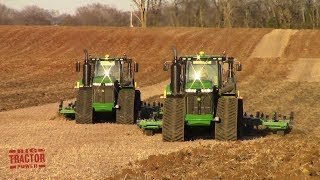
x,y
273,44
305,70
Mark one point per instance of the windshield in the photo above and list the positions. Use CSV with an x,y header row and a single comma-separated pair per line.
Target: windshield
x,y
108,69
202,71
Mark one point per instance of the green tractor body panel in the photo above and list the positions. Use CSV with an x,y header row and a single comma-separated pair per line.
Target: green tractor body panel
x,y
205,84
168,90
150,124
198,120
276,125
80,83
103,107
101,79
69,113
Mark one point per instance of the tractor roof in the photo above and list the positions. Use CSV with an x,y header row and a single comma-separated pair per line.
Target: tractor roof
x,y
199,57
110,58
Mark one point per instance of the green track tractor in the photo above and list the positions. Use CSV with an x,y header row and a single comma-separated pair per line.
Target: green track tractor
x,y
106,91
198,95
203,93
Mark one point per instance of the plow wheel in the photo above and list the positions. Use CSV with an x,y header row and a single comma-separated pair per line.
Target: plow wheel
x,y
173,119
227,111
84,106
126,101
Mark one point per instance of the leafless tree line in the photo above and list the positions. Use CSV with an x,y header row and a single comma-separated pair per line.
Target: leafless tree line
x,y
91,15
196,13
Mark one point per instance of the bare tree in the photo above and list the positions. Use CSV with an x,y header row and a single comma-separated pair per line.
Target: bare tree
x,y
100,15
33,15
142,6
8,16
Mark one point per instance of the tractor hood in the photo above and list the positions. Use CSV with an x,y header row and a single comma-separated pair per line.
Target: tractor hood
x,y
108,81
199,84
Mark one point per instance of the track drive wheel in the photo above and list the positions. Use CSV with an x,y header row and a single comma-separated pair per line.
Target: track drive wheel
x,y
84,108
126,112
227,111
173,126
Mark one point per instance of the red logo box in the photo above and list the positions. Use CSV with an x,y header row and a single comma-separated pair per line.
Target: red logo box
x,y
27,158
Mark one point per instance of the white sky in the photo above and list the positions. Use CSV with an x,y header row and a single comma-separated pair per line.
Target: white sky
x,y
65,6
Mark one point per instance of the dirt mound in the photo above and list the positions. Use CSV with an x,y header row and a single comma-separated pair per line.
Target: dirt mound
x,y
37,63
273,44
304,44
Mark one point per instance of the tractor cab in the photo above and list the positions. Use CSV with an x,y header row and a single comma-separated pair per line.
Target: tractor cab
x,y
202,73
106,72
111,70
198,73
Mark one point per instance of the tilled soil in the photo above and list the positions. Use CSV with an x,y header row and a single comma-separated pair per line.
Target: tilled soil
x,y
72,150
271,157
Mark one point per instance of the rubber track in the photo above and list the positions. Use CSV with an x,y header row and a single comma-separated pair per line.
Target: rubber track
x,y
137,106
240,119
84,106
227,128
126,101
173,119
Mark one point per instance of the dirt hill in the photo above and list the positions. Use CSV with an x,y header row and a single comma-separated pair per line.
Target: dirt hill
x,y
38,63
280,73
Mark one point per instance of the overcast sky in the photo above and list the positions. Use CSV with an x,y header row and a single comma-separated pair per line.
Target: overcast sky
x,y
65,6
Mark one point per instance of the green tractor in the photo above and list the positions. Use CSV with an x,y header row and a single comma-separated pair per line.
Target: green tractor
x,y
199,96
202,95
107,90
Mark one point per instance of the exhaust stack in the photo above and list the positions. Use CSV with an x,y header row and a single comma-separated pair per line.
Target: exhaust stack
x,y
175,74
86,79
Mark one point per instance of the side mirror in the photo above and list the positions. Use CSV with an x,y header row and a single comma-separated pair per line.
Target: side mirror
x,y
165,67
239,67
78,66
136,67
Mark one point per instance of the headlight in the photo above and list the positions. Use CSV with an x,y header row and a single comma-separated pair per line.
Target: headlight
x,y
96,84
108,84
206,90
191,90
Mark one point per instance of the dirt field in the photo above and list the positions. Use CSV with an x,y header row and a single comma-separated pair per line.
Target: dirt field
x,y
37,68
